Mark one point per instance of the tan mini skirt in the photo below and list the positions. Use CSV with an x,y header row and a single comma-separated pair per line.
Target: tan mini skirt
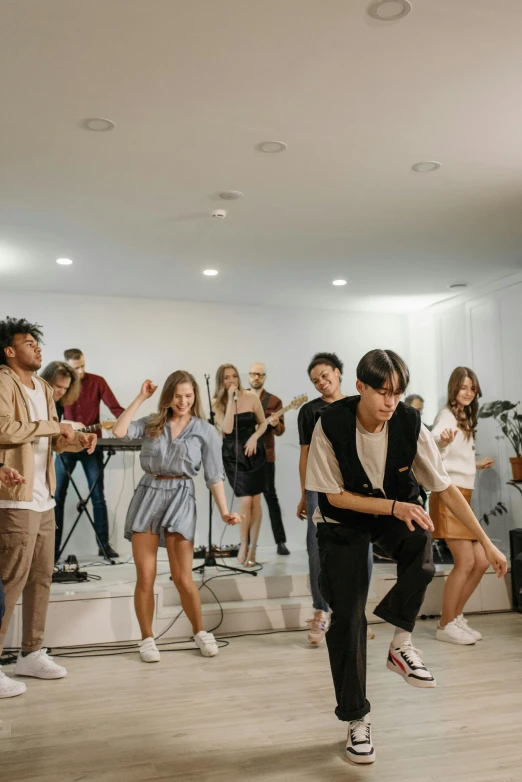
x,y
446,524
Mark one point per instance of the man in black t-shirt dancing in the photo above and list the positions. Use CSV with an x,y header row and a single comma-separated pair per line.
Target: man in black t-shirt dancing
x,y
325,372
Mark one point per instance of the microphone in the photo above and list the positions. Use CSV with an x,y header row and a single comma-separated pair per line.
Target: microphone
x,y
235,396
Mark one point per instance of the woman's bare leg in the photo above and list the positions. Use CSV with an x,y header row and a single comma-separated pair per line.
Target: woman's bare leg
x,y
464,562
181,553
475,577
145,552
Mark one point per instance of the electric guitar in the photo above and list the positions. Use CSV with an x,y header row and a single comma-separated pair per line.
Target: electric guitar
x,y
295,404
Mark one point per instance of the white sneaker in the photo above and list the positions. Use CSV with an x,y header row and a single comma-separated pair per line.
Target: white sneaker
x,y
40,665
318,627
462,622
10,688
407,662
454,633
206,643
149,652
359,746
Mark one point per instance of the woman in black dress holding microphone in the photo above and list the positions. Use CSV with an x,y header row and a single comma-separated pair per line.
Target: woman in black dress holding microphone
x,y
241,420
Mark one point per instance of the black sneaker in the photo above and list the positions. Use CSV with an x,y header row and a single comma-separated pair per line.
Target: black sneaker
x,y
282,549
109,551
359,747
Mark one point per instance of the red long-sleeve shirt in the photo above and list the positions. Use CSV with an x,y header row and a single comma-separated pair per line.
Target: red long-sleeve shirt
x,y
95,389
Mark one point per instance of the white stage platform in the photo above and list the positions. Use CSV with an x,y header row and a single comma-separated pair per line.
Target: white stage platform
x,y
277,598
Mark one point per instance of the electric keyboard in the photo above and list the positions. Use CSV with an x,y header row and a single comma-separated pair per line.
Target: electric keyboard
x,y
117,444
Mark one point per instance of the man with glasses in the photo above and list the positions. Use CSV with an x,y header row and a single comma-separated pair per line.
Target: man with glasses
x,y
271,404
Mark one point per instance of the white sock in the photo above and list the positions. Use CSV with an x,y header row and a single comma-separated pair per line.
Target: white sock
x,y
401,637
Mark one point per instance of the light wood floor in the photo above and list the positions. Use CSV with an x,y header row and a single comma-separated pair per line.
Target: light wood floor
x,y
263,709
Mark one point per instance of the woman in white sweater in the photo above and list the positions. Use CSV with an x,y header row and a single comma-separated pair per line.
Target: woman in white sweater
x,y
454,432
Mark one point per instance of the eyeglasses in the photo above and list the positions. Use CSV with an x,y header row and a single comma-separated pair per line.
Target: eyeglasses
x,y
257,374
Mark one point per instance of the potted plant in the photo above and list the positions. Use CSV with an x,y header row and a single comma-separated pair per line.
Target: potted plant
x,y
510,421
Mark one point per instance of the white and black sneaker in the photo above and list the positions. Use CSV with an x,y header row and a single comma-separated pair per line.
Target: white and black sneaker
x,y
359,747
407,662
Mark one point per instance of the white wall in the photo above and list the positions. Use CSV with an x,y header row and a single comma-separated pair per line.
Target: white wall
x,y
483,331
128,340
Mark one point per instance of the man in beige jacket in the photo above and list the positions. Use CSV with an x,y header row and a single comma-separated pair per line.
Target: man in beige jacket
x,y
29,432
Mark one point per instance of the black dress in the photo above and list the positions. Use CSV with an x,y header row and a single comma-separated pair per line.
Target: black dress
x,y
246,474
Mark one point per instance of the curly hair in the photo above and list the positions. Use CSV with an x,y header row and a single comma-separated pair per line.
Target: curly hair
x,y
10,327
330,359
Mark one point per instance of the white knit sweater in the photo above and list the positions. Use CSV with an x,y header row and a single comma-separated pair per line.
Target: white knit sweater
x,y
459,456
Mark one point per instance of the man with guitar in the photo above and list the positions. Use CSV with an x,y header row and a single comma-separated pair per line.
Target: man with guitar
x,y
94,389
271,404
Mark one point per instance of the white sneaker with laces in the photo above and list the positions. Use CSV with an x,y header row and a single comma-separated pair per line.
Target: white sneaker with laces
x,y
454,633
407,662
40,665
318,627
462,622
10,688
149,652
359,746
206,643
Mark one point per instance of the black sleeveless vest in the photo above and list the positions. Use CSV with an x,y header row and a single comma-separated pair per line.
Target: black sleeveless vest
x,y
339,425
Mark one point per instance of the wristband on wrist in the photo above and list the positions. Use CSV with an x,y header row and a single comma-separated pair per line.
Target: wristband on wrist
x,y
393,508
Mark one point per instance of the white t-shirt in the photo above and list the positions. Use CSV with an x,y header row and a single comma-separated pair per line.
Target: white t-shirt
x,y
324,475
458,457
42,499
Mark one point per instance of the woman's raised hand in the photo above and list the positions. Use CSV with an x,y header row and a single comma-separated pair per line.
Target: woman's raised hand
x,y
446,437
147,389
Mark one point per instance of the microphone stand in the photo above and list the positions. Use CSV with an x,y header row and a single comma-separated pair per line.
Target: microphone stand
x,y
210,559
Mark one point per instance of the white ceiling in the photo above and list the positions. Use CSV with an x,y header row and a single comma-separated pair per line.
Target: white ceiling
x,y
194,86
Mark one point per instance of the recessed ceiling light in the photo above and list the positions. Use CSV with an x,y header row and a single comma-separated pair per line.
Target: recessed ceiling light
x,y
426,166
458,286
389,10
271,146
64,261
210,272
230,195
339,282
99,124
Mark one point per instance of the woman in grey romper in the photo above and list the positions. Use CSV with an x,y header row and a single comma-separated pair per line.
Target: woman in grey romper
x,y
176,442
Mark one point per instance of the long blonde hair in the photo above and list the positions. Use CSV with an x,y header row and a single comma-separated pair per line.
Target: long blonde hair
x,y
219,403
157,422
56,368
466,417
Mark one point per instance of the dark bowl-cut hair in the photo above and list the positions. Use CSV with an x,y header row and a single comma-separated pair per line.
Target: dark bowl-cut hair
x,y
378,366
330,359
10,327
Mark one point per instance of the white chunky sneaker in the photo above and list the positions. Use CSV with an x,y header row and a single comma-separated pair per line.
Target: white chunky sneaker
x,y
407,662
206,643
454,633
149,652
318,627
462,622
10,688
359,746
40,665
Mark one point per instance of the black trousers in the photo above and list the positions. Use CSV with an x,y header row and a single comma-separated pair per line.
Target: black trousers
x,y
274,509
343,582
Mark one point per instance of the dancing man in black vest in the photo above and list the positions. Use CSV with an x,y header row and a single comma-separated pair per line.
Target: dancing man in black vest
x,y
368,457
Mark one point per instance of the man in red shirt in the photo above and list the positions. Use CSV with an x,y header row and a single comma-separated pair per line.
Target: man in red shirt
x,y
87,410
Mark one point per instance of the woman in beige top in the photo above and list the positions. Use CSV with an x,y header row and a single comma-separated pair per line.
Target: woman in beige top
x,y
454,433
